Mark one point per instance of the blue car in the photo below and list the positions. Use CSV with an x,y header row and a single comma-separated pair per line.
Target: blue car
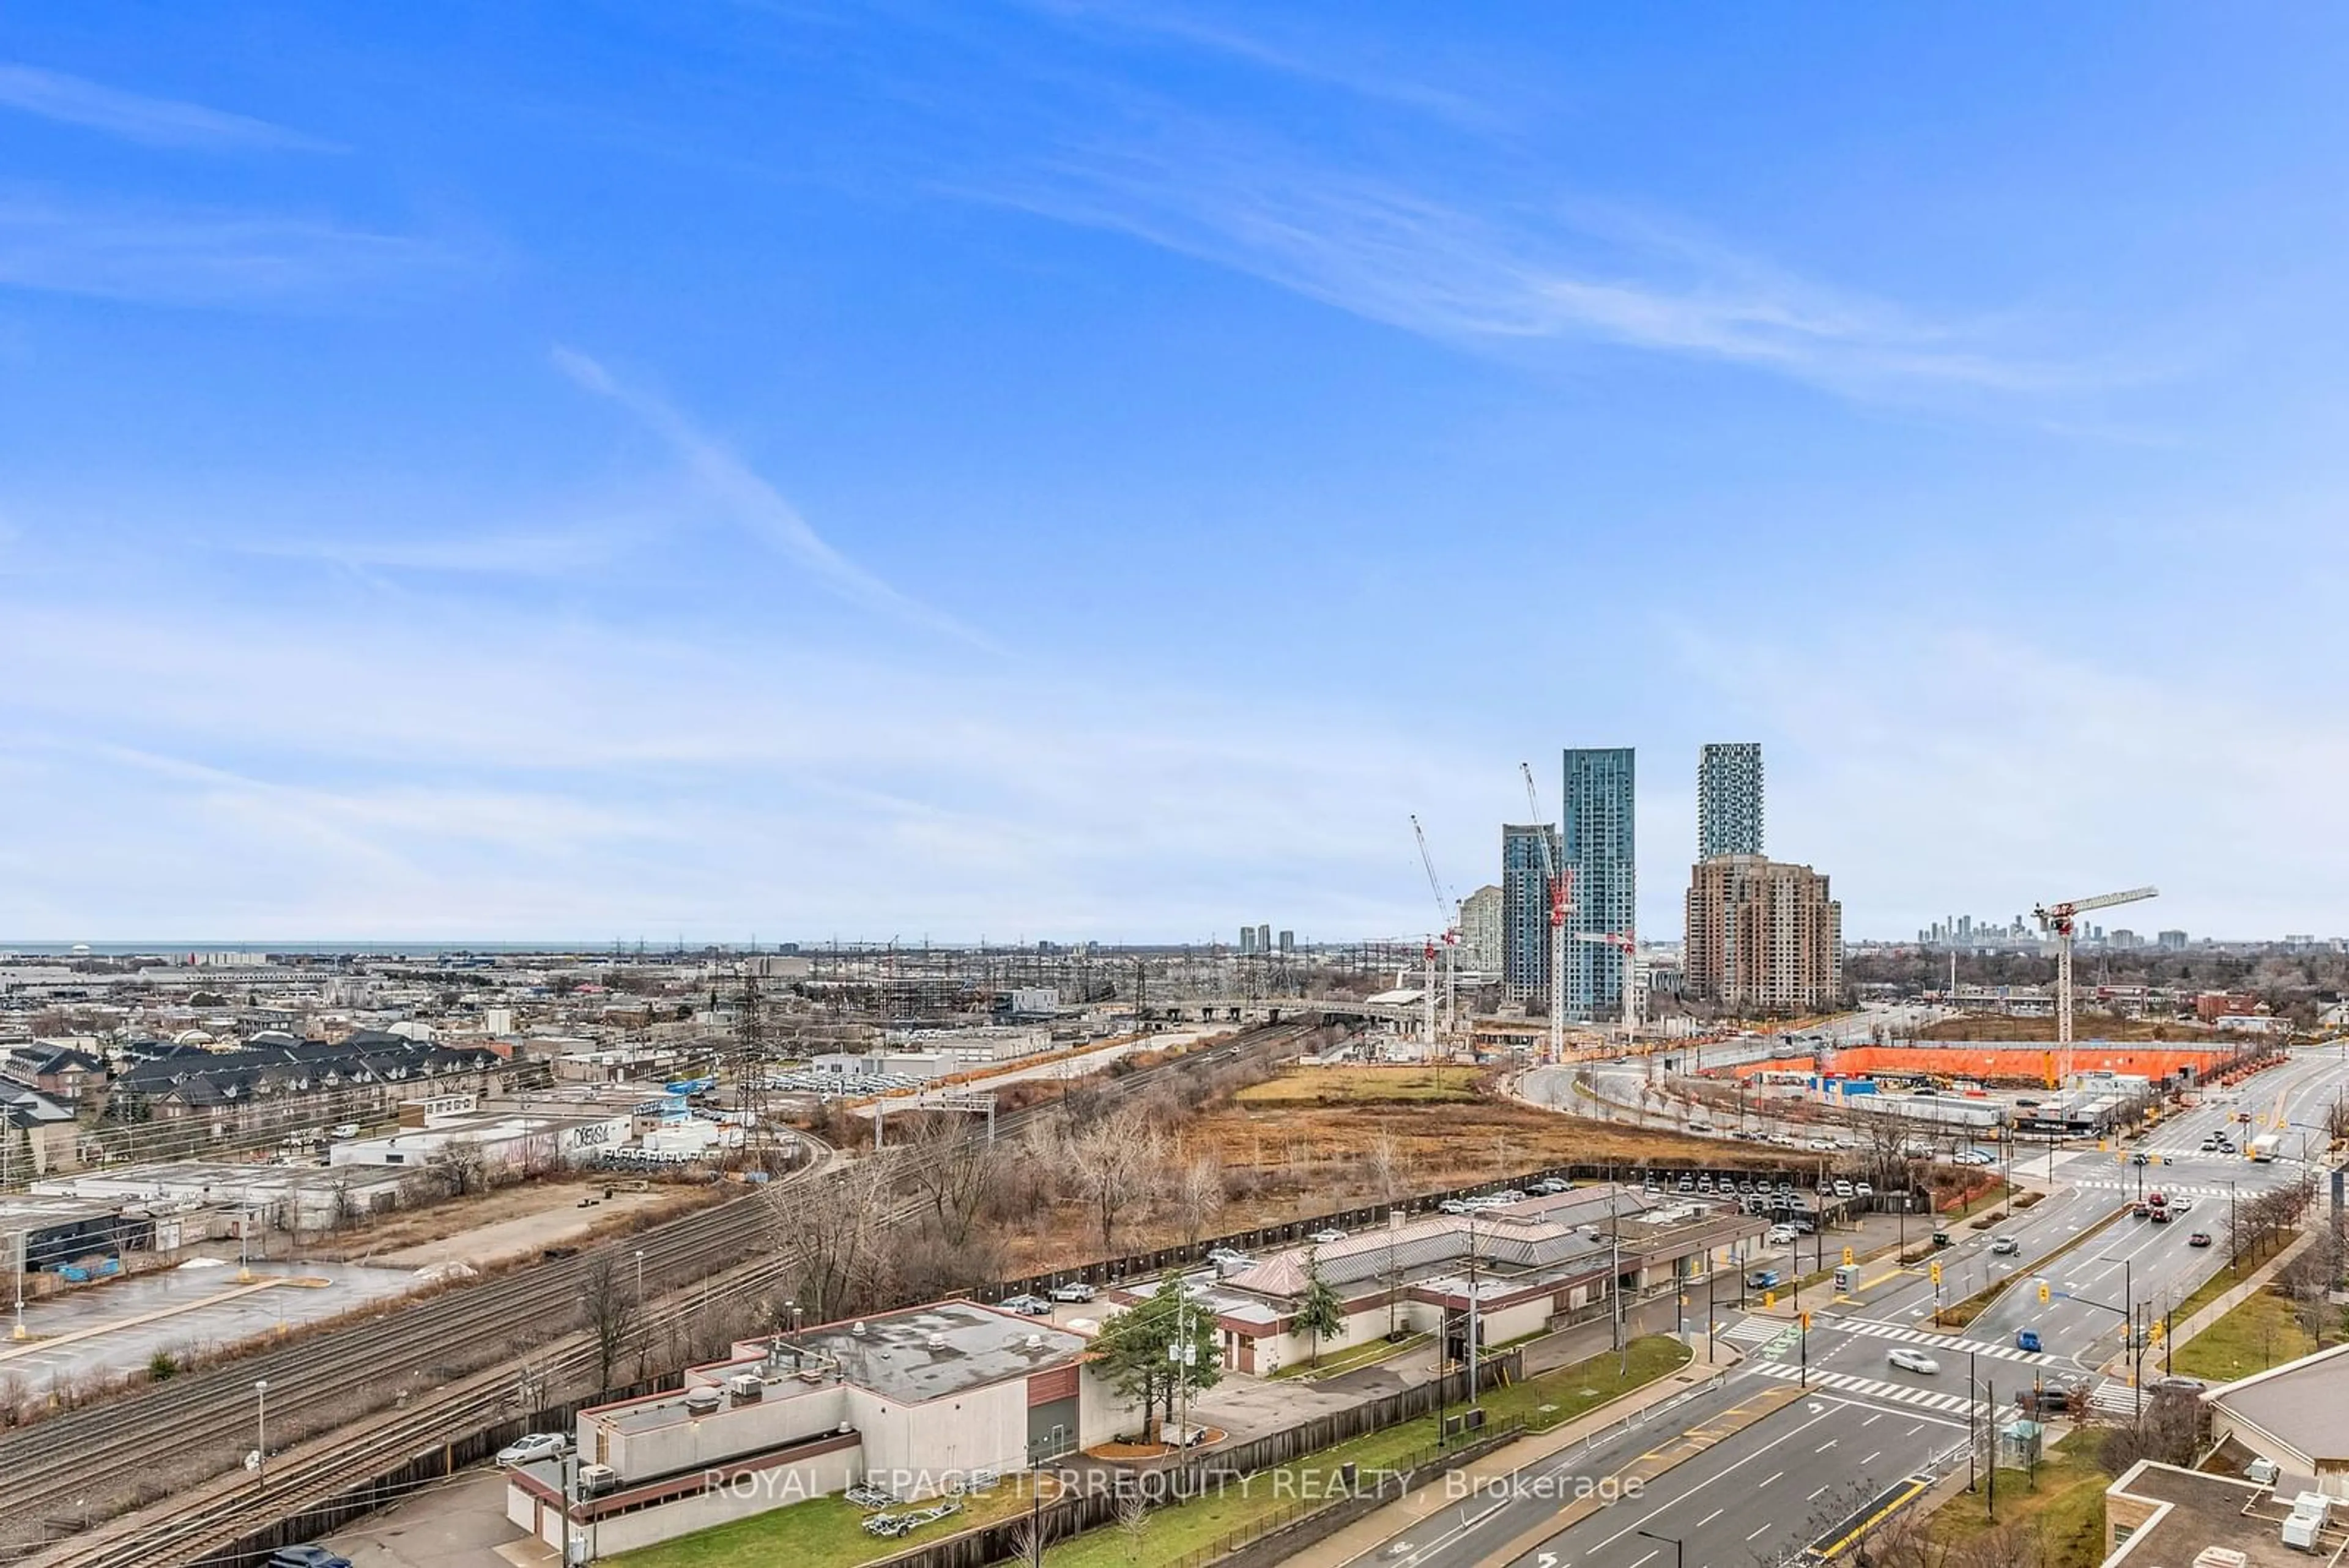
x,y
2027,1339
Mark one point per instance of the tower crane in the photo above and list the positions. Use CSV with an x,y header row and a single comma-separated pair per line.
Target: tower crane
x,y
1448,913
1561,900
2058,919
1629,946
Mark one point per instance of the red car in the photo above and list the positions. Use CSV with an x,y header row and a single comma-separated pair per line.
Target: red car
x,y
2200,1239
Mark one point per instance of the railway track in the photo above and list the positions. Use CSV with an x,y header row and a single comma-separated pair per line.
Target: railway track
x,y
212,1412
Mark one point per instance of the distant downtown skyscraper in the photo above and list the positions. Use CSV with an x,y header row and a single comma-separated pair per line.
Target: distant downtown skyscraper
x,y
1601,836
1729,799
1524,910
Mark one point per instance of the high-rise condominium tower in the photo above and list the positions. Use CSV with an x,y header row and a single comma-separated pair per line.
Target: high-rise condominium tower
x,y
1729,799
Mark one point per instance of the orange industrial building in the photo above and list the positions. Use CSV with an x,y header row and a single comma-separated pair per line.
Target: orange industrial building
x,y
1999,1063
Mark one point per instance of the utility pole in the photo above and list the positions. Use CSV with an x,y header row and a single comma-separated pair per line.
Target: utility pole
x,y
1473,1322
1615,1284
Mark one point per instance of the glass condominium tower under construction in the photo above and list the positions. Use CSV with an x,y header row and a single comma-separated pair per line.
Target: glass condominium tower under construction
x,y
1601,854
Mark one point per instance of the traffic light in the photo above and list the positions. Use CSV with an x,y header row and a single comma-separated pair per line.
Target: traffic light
x,y
2044,1293
1846,1257
1936,1275
1806,1323
2153,1333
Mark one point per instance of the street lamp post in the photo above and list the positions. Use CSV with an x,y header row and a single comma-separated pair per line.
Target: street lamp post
x,y
261,1432
1680,1547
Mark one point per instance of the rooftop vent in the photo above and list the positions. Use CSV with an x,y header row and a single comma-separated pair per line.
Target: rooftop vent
x,y
2220,1557
937,1342
1035,1342
857,1328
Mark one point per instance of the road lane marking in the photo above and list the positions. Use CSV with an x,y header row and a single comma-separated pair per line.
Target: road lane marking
x,y
1873,1458
1708,1519
1815,1495
1764,1531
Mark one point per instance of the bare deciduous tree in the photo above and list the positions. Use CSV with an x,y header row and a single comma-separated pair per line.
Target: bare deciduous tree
x,y
952,1164
1112,1162
1199,1195
835,1230
607,1307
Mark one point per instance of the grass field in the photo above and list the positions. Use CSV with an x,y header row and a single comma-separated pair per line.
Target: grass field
x,y
822,1532
2263,1331
1364,1086
2064,1505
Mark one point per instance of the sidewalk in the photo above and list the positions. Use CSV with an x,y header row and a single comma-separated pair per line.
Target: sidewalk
x,y
2119,1368
1373,1532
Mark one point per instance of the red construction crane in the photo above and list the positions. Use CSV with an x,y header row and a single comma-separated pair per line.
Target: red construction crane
x,y
2058,919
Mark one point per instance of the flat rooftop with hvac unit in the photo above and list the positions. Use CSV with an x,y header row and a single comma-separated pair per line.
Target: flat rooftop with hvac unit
x,y
915,1402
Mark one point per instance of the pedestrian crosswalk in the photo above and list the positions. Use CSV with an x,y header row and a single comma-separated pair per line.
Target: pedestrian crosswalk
x,y
1941,1341
2113,1399
1756,1331
1874,1388
2130,1184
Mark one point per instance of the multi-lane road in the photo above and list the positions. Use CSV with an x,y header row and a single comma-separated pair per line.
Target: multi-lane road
x,y
1858,1424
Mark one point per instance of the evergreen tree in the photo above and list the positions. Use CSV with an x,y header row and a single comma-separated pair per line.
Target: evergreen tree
x,y
1319,1313
1140,1350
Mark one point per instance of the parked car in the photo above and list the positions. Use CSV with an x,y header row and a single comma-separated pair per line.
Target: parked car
x,y
1778,1235
2179,1385
1550,1186
1028,1306
1453,1206
1325,1237
2027,1339
1842,1187
1074,1291
2005,1247
2200,1239
1862,1189
306,1557
346,1129
1910,1360
1231,1254
535,1447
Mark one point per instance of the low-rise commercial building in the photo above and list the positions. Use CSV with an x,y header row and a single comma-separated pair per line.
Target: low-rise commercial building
x,y
916,1403
2293,1416
1533,1266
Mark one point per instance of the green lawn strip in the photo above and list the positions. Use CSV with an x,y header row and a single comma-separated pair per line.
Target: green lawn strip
x,y
2063,1504
2208,1291
822,1532
2262,1332
1366,1354
1170,1535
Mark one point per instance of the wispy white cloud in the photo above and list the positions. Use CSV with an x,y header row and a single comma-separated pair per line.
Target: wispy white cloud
x,y
1507,273
156,121
203,256
755,504
539,771
1327,62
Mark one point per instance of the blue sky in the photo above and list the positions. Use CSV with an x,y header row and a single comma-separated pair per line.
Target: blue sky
x,y
1059,469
